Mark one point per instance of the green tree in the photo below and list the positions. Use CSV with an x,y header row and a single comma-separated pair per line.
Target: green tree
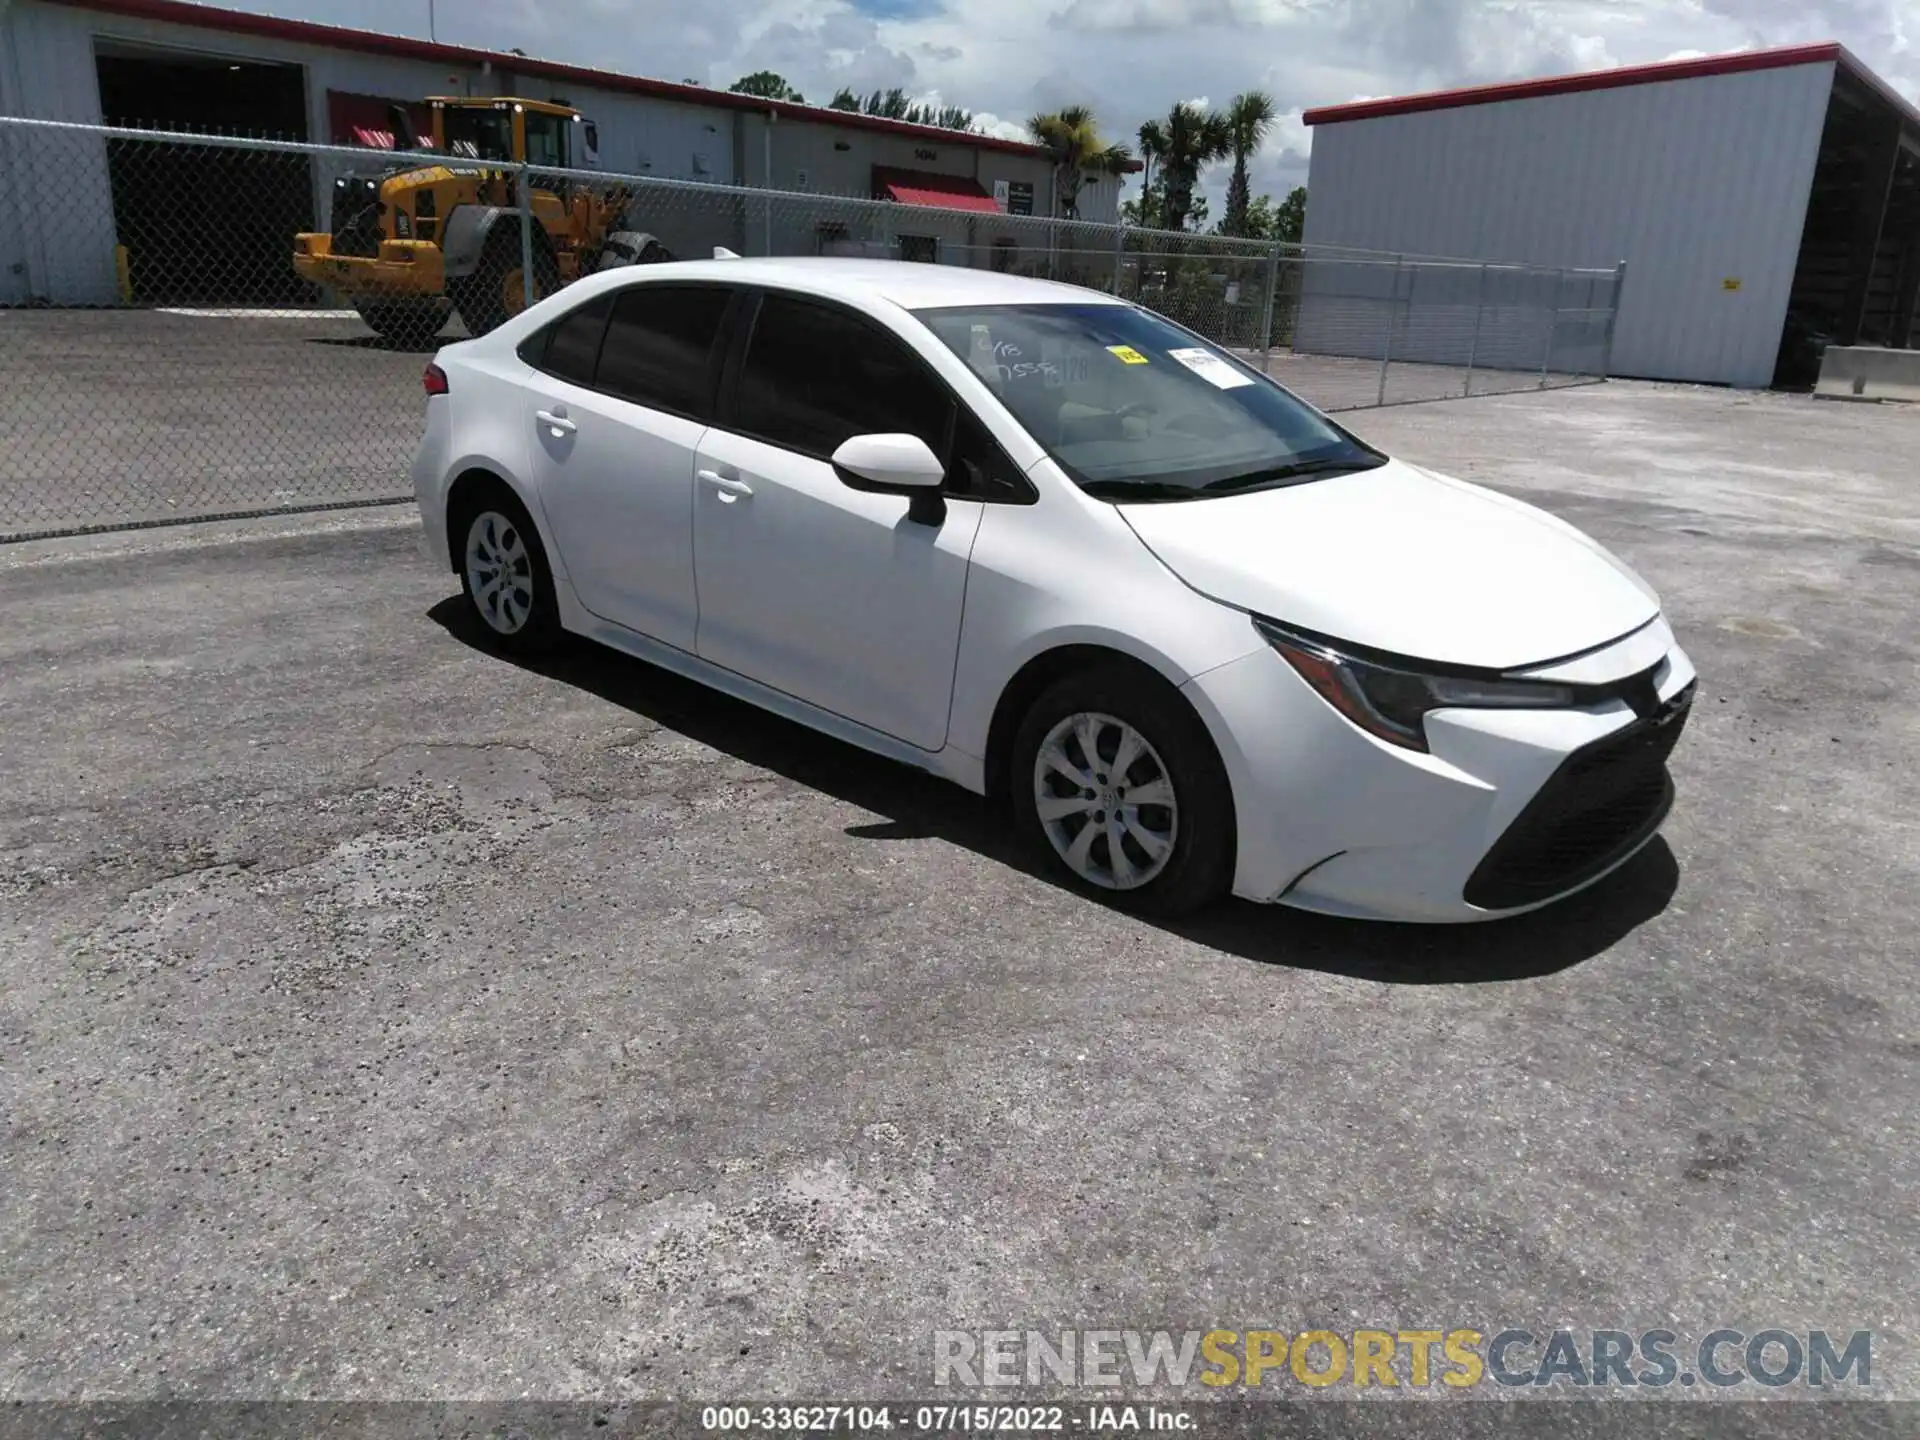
x,y
1249,120
896,104
1290,216
1153,151
1072,140
767,86
1195,139
1266,220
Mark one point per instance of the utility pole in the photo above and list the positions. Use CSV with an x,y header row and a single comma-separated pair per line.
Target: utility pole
x,y
430,34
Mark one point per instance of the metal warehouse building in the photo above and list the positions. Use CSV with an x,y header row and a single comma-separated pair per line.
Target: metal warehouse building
x,y
162,64
1759,201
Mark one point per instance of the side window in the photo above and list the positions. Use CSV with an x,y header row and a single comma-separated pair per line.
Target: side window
x,y
980,469
815,376
568,347
659,345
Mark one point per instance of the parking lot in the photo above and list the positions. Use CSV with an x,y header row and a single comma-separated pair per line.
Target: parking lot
x,y
382,1018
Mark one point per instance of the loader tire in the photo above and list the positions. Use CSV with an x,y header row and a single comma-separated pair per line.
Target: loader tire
x,y
496,290
631,247
408,324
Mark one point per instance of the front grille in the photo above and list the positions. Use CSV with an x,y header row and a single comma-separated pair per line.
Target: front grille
x,y
1604,800
356,215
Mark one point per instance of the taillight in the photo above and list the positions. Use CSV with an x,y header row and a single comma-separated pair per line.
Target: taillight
x,y
435,379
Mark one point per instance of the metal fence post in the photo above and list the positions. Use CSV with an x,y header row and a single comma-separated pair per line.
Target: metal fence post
x,y
1613,316
1119,256
1266,317
1473,345
1386,346
1553,326
523,187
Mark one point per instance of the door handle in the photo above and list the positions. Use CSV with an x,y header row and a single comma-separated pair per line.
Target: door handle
x,y
728,487
557,419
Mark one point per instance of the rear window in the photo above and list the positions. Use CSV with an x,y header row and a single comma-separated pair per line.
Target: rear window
x,y
659,347
570,346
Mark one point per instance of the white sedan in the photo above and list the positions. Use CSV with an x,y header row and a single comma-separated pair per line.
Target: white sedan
x,y
1055,548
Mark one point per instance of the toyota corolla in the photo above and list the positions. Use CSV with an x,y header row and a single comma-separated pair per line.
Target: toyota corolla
x,y
1059,550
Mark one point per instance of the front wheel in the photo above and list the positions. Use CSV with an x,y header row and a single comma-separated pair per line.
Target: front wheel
x,y
1116,781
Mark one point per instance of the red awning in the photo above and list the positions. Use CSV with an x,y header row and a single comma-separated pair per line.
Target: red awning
x,y
942,192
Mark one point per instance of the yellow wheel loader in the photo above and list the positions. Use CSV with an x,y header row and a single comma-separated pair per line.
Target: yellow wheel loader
x,y
412,244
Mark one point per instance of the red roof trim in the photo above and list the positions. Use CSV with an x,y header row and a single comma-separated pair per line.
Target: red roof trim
x,y
1592,80
306,32
923,187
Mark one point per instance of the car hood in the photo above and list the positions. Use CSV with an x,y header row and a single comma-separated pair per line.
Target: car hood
x,y
1403,560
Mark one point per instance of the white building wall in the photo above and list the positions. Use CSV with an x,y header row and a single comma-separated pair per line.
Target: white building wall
x,y
64,253
831,162
1691,182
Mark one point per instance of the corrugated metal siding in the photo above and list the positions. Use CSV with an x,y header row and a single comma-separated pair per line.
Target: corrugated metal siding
x,y
1691,182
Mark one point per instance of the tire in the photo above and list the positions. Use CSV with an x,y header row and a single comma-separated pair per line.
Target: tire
x,y
492,532
1197,827
631,247
409,323
496,292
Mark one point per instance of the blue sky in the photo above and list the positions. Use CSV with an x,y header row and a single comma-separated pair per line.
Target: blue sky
x,y
1131,59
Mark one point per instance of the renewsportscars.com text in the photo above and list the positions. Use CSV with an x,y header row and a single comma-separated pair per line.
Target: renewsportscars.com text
x,y
1456,1358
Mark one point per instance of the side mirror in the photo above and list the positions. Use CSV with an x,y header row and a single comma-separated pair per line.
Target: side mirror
x,y
895,465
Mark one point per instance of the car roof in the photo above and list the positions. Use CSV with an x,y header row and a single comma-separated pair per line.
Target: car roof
x,y
912,285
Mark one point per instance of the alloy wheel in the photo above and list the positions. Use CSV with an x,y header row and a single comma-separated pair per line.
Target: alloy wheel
x,y
499,572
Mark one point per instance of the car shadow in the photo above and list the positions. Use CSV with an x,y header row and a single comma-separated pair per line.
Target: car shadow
x,y
917,806
423,346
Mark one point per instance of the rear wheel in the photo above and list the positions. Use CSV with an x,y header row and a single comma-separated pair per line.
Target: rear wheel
x,y
504,573
496,291
1116,781
409,322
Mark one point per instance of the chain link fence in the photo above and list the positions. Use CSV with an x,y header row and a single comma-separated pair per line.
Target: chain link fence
x,y
194,326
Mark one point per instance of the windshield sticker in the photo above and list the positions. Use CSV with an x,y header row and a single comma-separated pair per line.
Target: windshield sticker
x,y
1127,355
1210,368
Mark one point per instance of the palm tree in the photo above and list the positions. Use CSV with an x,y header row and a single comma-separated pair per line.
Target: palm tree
x,y
1072,139
1195,139
1249,119
1153,146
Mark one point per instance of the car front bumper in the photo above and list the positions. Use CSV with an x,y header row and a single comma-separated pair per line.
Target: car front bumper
x,y
1509,810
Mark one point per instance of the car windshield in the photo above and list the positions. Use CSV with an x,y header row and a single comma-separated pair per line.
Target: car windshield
x,y
479,134
1134,408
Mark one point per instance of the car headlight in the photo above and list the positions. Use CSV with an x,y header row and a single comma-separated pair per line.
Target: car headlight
x,y
1392,700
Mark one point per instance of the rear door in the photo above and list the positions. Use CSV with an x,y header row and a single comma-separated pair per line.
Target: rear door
x,y
623,395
